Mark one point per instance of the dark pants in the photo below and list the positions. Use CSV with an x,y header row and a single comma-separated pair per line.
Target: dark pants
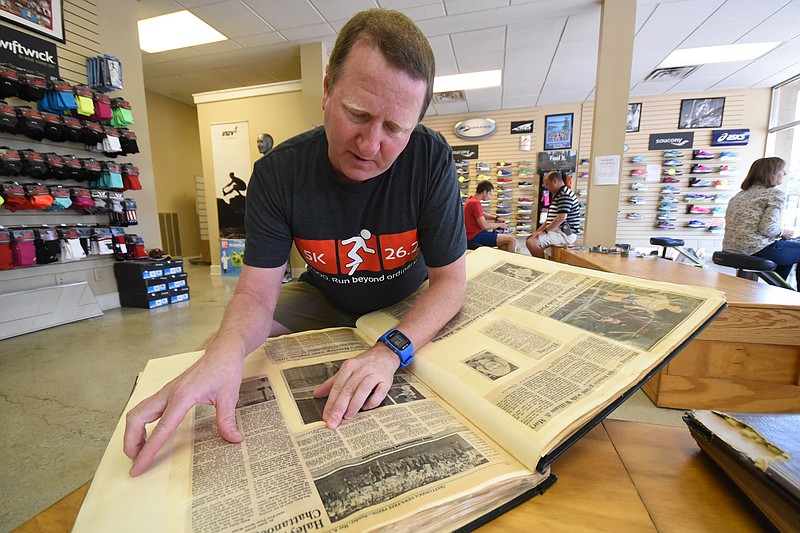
x,y
785,254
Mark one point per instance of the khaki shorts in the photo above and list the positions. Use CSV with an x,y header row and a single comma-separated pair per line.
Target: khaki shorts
x,y
302,307
556,238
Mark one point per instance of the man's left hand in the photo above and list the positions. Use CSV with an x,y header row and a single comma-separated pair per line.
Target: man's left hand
x,y
361,382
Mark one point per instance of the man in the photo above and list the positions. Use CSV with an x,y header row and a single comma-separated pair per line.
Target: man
x,y
562,223
476,225
372,167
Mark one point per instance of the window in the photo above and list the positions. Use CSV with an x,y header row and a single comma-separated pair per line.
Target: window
x,y
784,141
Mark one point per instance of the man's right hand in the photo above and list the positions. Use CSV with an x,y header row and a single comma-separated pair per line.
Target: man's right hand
x,y
213,380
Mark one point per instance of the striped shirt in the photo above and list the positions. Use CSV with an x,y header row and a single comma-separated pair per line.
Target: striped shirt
x,y
565,201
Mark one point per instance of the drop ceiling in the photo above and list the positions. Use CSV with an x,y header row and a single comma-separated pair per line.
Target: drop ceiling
x,y
547,49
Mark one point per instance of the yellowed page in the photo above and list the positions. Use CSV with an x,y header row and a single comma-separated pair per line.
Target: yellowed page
x,y
541,347
412,425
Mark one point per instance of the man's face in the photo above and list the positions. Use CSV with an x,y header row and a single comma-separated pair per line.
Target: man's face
x,y
369,114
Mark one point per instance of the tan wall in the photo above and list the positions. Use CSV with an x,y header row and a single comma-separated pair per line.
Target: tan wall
x,y
281,115
92,28
743,109
177,160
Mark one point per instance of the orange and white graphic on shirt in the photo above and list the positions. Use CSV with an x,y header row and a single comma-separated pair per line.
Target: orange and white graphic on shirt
x,y
362,252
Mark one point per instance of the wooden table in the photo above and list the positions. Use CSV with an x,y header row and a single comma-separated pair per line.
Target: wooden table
x,y
622,476
748,359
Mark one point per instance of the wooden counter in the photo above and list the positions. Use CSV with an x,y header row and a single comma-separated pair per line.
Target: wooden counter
x,y
622,476
748,359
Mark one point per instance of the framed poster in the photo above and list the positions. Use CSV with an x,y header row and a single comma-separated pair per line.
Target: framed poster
x,y
42,16
634,117
701,113
558,131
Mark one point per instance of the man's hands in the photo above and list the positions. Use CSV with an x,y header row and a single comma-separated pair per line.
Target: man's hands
x,y
362,381
211,381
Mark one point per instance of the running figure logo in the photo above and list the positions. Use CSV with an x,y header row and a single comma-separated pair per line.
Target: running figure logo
x,y
359,243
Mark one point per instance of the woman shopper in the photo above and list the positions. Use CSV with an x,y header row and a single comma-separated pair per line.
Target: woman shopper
x,y
753,218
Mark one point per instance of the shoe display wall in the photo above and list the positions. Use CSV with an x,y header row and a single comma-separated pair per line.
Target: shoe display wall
x,y
678,203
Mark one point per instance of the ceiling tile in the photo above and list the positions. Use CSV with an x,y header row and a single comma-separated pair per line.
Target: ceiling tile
x,y
281,14
651,87
735,11
425,12
512,102
456,7
174,55
338,10
263,39
783,25
717,34
480,62
150,59
522,89
450,108
232,19
307,32
188,4
491,40
402,5
562,97
218,47
543,33
443,52
153,8
583,26
489,104
577,50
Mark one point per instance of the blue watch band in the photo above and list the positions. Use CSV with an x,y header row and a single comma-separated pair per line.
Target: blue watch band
x,y
399,344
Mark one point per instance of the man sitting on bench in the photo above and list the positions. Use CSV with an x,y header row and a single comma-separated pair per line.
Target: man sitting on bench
x,y
478,227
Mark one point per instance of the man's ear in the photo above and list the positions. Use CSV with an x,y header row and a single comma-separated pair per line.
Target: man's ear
x,y
325,86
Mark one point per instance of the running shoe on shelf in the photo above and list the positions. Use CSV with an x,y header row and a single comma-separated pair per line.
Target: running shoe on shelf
x,y
672,154
702,154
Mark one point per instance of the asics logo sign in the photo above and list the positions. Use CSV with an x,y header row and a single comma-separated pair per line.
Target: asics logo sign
x,y
660,141
730,137
475,128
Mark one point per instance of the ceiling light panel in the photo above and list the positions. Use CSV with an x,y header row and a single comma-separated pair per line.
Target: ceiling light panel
x,y
175,30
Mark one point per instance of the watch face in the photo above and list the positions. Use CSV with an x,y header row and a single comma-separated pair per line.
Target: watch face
x,y
398,340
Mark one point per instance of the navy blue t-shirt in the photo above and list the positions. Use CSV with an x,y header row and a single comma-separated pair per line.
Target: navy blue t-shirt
x,y
363,242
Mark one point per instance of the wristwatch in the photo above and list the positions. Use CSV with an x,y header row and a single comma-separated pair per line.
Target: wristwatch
x,y
399,344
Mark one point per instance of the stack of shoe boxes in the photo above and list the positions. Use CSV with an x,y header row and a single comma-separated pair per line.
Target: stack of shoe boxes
x,y
151,283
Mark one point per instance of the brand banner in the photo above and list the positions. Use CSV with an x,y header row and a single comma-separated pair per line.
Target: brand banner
x,y
557,160
668,141
230,149
465,151
730,137
475,128
28,52
521,126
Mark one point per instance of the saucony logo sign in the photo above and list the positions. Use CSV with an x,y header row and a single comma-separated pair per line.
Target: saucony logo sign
x,y
673,142
464,153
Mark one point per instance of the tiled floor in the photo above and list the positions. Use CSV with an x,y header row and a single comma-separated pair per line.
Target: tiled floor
x,y
62,391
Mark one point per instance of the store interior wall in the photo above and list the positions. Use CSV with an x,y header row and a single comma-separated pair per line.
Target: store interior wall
x,y
175,139
119,36
281,115
92,28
